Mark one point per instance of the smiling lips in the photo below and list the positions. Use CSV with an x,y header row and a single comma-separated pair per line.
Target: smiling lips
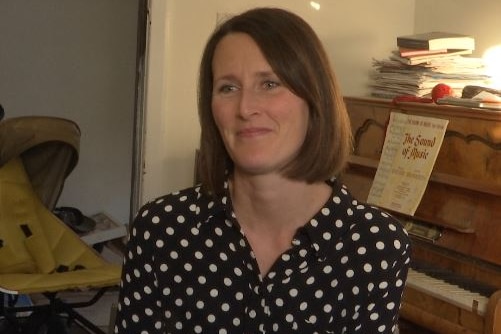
x,y
252,132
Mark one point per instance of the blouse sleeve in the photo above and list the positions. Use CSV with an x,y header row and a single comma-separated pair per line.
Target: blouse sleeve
x,y
139,303
392,259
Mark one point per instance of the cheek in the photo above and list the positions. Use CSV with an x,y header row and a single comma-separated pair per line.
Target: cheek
x,y
221,117
300,118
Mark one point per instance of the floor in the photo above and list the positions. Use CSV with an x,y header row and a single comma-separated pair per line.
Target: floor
x,y
100,314
61,329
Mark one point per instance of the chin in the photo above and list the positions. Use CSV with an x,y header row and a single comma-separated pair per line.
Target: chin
x,y
252,169
256,169
259,164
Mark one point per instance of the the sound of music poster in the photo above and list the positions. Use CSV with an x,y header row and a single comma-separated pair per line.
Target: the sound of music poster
x,y
410,150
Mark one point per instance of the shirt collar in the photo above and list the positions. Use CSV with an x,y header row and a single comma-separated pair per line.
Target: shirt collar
x,y
332,221
329,224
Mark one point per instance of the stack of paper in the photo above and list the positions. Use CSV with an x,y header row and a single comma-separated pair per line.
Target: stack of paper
x,y
392,77
424,60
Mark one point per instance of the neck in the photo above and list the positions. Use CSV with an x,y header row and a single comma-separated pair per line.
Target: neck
x,y
275,202
270,209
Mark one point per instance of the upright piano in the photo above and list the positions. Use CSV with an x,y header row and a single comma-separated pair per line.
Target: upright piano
x,y
454,284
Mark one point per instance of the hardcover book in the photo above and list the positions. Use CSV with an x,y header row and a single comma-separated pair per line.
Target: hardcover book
x,y
406,52
437,40
414,60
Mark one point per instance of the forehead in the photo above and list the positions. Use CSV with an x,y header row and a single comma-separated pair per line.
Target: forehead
x,y
235,49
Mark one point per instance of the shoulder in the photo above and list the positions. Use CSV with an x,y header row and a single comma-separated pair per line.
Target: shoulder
x,y
379,224
172,203
179,210
382,236
371,224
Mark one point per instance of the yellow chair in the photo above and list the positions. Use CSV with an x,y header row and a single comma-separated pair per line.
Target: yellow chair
x,y
39,254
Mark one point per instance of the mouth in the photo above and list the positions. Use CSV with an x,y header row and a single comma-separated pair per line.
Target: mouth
x,y
252,132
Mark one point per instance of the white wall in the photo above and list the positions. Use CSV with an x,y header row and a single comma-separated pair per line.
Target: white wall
x,y
353,32
76,59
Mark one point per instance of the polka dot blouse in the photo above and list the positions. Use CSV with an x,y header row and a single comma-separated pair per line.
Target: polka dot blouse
x,y
189,269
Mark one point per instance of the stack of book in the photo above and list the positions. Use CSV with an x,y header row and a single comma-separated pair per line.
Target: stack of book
x,y
423,60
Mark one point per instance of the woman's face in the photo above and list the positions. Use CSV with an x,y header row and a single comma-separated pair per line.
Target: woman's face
x,y
262,123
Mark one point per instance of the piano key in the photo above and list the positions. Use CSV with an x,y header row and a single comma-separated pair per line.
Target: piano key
x,y
447,292
454,278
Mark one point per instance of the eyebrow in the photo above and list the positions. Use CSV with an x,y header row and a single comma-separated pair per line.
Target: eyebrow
x,y
259,74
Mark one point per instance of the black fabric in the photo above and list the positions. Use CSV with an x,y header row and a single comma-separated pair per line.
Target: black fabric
x,y
74,218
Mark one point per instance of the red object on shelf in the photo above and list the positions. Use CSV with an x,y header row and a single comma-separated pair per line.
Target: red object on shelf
x,y
441,90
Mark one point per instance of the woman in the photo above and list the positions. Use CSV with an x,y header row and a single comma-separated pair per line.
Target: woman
x,y
270,242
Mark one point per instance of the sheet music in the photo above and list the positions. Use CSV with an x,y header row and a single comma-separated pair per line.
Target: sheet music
x,y
409,152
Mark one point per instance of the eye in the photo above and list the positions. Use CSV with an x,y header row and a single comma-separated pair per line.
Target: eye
x,y
270,84
226,89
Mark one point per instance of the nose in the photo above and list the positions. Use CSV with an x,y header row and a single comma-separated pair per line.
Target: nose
x,y
249,103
